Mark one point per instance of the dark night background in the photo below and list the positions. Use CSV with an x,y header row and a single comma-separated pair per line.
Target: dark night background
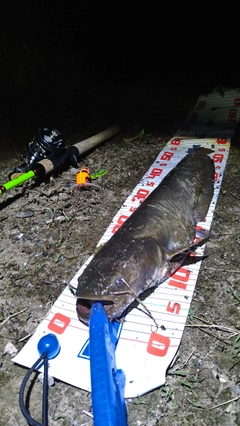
x,y
63,58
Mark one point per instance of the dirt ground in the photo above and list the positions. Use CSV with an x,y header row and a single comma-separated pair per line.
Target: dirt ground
x,y
42,250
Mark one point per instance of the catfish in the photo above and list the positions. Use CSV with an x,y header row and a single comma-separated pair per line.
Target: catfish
x,y
153,242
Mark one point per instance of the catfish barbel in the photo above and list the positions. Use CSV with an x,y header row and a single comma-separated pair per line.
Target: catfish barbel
x,y
153,242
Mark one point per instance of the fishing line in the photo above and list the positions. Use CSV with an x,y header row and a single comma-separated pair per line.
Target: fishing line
x,y
140,302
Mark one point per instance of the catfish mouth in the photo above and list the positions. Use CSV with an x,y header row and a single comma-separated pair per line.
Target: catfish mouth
x,y
83,307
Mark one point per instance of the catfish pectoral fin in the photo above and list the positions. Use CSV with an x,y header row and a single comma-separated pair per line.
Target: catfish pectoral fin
x,y
199,243
187,249
190,260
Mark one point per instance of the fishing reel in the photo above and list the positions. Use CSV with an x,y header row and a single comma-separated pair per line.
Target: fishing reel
x,y
46,142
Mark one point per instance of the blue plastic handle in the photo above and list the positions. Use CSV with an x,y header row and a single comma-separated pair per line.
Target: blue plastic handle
x,y
107,382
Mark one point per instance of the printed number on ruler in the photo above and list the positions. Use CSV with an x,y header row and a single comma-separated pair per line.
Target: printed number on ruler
x,y
142,193
59,323
159,344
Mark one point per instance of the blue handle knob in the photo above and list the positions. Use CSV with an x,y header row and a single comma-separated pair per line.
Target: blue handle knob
x,y
50,345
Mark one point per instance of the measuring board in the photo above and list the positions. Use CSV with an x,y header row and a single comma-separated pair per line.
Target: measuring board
x,y
143,354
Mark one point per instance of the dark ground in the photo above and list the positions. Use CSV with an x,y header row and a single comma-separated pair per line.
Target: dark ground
x,y
35,271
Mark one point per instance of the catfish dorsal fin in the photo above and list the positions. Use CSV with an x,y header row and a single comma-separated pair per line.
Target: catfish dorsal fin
x,y
188,249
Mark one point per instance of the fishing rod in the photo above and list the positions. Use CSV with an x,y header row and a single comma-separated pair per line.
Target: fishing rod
x,y
46,152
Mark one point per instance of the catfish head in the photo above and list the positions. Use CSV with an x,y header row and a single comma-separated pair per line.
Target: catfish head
x,y
117,274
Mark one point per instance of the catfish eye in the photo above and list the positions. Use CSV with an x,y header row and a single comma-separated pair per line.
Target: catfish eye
x,y
119,282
